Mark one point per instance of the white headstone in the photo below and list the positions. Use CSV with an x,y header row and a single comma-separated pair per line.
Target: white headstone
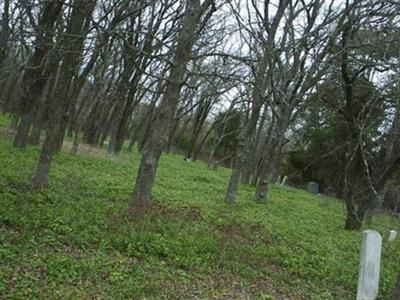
x,y
370,261
285,179
392,235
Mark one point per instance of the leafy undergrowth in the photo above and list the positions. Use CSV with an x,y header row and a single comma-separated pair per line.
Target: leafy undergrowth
x,y
75,240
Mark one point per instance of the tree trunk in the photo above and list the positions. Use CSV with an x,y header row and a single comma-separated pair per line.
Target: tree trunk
x,y
40,112
396,291
132,141
122,107
354,165
270,158
10,91
14,122
72,46
122,127
202,142
193,140
75,144
165,114
245,137
91,132
173,132
230,196
260,157
5,32
131,101
201,116
356,214
353,222
115,123
211,156
34,138
262,74
40,178
249,162
36,75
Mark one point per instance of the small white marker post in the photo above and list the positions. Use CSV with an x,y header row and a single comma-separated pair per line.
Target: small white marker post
x,y
370,261
392,235
285,179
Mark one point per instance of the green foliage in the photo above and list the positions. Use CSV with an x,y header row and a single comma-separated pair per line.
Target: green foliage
x,y
322,151
75,239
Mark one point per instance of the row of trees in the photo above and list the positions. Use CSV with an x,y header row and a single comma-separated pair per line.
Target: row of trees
x,y
246,81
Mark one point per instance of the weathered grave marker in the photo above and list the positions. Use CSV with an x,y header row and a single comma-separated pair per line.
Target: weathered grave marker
x,y
313,187
392,235
370,261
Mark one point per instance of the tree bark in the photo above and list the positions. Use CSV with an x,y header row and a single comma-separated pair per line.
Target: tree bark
x,y
202,142
396,291
36,74
72,47
140,61
247,132
121,111
250,159
129,108
5,32
354,219
34,138
200,117
270,158
262,74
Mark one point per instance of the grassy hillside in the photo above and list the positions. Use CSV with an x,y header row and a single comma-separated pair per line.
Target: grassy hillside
x,y
75,240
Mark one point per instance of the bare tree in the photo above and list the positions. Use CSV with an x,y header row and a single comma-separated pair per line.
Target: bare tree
x,y
36,74
196,14
364,178
72,44
264,38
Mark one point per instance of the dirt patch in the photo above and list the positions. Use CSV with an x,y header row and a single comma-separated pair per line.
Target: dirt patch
x,y
156,210
23,187
187,213
243,232
233,232
8,225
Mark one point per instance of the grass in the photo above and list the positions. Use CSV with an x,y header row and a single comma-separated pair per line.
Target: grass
x,y
75,239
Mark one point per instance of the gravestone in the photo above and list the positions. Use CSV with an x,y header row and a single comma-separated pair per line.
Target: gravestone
x,y
370,261
312,187
392,235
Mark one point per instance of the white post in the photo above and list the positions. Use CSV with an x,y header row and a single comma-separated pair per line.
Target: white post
x,y
370,261
392,235
285,179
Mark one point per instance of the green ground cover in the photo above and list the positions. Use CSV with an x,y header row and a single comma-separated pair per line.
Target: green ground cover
x,y
75,240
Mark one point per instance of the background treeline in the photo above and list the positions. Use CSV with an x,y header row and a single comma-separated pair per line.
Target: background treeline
x,y
308,89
